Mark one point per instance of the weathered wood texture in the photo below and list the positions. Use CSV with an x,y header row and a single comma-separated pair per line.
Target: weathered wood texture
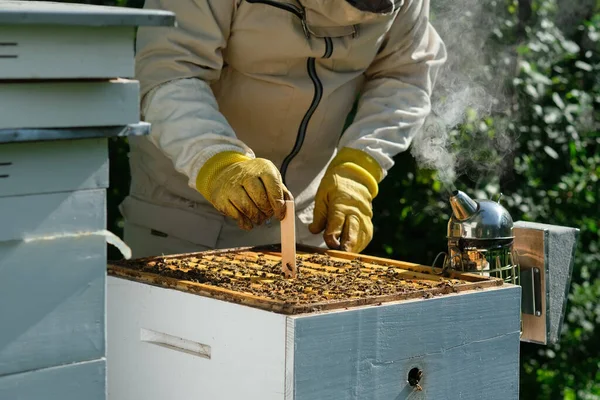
x,y
288,240
23,217
532,245
24,52
53,302
247,346
46,167
54,13
467,346
560,244
417,280
80,381
17,135
31,104
57,68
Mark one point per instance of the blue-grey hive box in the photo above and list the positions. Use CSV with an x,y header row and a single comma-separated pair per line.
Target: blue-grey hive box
x,y
66,86
170,337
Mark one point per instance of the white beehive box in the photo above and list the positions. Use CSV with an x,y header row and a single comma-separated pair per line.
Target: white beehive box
x,y
59,64
68,104
61,96
169,338
51,40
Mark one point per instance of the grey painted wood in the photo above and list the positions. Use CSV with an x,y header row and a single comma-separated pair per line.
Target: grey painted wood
x,y
45,167
81,381
466,345
25,54
51,104
562,244
44,135
487,370
52,308
49,13
52,214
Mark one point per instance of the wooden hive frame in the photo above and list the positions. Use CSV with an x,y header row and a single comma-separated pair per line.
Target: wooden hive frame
x,y
423,281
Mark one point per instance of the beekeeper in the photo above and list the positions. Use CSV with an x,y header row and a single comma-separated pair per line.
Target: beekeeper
x,y
248,100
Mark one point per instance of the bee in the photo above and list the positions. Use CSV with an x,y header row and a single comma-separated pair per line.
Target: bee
x,y
414,377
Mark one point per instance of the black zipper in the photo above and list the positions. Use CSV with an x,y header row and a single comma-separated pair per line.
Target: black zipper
x,y
312,73
328,47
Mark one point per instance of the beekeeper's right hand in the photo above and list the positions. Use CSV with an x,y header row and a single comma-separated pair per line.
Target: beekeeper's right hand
x,y
249,190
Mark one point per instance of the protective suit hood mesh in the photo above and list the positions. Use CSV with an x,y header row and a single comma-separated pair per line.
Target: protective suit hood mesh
x,y
373,6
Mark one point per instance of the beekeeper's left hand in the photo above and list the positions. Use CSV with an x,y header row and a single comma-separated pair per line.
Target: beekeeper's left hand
x,y
343,204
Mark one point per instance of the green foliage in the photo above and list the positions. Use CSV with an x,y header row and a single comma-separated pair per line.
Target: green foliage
x,y
558,169
551,177
550,78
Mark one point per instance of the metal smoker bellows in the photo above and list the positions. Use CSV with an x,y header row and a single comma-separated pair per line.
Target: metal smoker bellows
x,y
480,239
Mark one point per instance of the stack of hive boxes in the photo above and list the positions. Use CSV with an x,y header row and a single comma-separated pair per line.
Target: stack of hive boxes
x,y
66,85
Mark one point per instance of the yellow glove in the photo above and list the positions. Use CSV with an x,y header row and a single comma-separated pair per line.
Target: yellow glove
x,y
245,189
343,204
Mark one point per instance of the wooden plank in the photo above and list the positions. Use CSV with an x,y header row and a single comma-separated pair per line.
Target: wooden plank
x,y
66,104
55,13
256,271
50,135
288,240
556,257
289,359
341,255
531,246
466,344
45,167
52,214
247,346
198,288
243,256
24,54
369,271
52,307
85,380
409,273
263,302
479,370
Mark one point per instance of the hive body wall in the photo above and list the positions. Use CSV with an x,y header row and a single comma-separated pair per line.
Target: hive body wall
x,y
464,343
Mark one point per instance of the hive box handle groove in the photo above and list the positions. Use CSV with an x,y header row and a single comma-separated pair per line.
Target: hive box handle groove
x,y
175,343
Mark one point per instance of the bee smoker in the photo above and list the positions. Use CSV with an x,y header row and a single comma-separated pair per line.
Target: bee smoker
x,y
480,239
484,240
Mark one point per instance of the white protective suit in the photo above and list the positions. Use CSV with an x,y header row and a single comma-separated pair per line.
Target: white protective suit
x,y
274,79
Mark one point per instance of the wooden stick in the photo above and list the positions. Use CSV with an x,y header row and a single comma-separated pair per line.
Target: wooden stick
x,y
288,240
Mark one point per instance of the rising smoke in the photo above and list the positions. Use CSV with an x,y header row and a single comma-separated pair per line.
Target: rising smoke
x,y
466,84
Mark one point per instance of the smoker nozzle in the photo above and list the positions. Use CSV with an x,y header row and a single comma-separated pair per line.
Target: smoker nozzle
x,y
462,205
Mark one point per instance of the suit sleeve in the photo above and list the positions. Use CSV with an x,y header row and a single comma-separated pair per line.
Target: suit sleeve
x,y
396,97
175,67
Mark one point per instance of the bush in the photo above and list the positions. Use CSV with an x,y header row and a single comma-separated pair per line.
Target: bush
x,y
552,120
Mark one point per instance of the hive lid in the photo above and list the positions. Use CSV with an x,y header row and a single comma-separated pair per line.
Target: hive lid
x,y
327,279
53,13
